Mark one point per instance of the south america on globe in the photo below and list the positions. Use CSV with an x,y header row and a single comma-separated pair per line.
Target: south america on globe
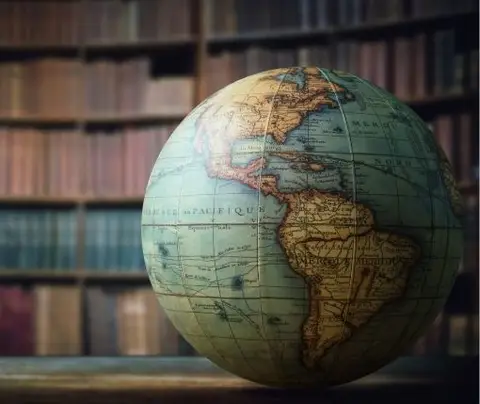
x,y
302,227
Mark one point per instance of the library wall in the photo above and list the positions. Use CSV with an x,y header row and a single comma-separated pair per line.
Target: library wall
x,y
90,92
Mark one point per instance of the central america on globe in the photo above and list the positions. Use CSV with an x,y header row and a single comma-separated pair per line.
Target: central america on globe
x,y
302,227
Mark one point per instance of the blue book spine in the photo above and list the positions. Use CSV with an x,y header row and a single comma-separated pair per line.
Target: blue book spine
x,y
39,236
137,241
124,247
89,242
72,240
40,240
60,245
114,218
101,245
11,245
33,235
65,230
3,240
50,240
14,240
22,222
132,247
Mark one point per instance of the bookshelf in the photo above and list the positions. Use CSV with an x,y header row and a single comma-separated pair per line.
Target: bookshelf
x,y
85,82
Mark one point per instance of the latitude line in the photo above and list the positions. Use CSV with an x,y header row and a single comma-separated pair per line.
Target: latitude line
x,y
259,181
180,258
221,302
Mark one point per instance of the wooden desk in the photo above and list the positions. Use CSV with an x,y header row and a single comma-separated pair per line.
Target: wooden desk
x,y
197,381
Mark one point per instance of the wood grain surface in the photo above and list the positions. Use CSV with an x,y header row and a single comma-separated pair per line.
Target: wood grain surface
x,y
197,381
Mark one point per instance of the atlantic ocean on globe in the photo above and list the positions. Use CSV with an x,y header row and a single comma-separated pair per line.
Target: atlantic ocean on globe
x,y
301,227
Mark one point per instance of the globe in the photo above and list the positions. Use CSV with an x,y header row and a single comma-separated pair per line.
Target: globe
x,y
301,227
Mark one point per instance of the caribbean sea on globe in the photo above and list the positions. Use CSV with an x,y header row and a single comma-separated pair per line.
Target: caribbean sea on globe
x,y
301,227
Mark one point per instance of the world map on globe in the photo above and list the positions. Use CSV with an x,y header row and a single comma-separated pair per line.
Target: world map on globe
x,y
301,226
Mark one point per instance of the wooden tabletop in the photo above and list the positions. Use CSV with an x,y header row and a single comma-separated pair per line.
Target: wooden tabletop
x,y
196,381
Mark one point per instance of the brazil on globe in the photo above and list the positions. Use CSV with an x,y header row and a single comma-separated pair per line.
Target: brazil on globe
x,y
302,227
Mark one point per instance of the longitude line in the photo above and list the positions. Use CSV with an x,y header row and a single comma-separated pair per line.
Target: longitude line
x,y
215,266
397,346
259,270
183,271
354,197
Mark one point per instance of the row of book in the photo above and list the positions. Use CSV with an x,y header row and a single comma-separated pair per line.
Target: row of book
x,y
49,22
60,163
113,240
421,66
457,134
119,163
63,88
38,239
47,239
236,16
68,163
47,320
77,22
136,20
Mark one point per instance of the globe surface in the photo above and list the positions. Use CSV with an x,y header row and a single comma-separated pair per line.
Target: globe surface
x,y
301,227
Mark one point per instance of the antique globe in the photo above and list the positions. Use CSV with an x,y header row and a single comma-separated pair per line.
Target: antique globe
x,y
301,227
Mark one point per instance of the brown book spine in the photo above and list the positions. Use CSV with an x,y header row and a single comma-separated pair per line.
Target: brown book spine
x,y
381,78
465,142
444,134
403,69
419,55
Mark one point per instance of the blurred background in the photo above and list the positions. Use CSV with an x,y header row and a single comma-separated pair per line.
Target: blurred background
x,y
91,90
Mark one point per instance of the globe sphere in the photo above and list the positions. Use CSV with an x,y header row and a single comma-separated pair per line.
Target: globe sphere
x,y
301,227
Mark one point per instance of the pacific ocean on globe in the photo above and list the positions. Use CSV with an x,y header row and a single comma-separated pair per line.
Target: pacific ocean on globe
x,y
302,227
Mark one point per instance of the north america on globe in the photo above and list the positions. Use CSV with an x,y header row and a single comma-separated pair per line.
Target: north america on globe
x,y
302,227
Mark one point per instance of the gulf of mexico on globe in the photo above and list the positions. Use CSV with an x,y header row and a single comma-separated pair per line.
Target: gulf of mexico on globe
x,y
301,227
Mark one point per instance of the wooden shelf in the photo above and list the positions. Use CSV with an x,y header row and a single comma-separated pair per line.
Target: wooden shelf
x,y
153,45
112,200
467,188
39,200
140,46
71,275
111,120
285,37
97,120
35,275
115,277
415,23
71,200
267,35
65,50
435,100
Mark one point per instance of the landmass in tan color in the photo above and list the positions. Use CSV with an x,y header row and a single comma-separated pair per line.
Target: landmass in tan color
x,y
351,269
